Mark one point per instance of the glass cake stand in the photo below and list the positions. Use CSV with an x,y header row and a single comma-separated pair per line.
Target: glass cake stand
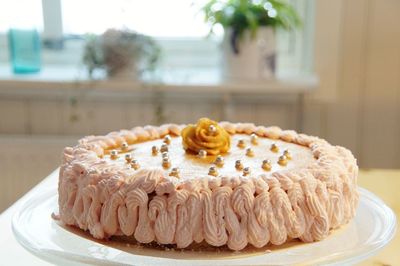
x,y
372,228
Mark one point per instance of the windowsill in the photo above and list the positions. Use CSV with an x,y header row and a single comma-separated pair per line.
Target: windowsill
x,y
56,78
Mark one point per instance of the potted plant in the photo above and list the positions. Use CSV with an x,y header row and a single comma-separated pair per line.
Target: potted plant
x,y
122,54
249,46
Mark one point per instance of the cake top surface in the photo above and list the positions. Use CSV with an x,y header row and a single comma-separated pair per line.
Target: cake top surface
x,y
263,156
205,154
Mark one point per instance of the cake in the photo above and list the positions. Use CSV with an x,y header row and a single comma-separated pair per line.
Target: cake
x,y
215,184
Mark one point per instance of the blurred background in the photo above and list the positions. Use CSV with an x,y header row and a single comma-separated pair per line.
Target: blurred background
x,y
72,68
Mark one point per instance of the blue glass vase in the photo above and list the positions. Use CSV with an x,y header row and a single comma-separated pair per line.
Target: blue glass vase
x,y
24,47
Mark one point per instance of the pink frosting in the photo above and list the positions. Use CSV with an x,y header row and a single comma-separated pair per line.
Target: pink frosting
x,y
108,199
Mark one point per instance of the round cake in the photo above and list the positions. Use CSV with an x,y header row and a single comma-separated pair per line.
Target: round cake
x,y
215,184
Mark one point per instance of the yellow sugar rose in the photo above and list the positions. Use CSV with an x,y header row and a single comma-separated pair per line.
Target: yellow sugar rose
x,y
206,135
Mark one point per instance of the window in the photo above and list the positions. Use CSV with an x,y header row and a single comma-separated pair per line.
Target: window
x,y
177,25
158,18
12,15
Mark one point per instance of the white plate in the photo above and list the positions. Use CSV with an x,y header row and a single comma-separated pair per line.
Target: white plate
x,y
372,228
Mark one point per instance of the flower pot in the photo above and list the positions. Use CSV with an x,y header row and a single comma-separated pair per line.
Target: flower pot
x,y
127,72
254,58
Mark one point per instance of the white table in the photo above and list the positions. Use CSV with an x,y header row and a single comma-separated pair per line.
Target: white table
x,y
11,252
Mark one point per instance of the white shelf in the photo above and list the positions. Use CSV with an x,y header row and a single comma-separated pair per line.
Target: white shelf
x,y
55,79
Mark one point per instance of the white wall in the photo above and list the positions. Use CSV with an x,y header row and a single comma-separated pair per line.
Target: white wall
x,y
24,162
358,62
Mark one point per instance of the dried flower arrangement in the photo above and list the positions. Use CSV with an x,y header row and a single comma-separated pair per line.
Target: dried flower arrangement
x,y
120,53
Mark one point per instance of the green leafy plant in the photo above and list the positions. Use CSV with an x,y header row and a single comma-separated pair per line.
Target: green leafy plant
x,y
248,15
116,50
